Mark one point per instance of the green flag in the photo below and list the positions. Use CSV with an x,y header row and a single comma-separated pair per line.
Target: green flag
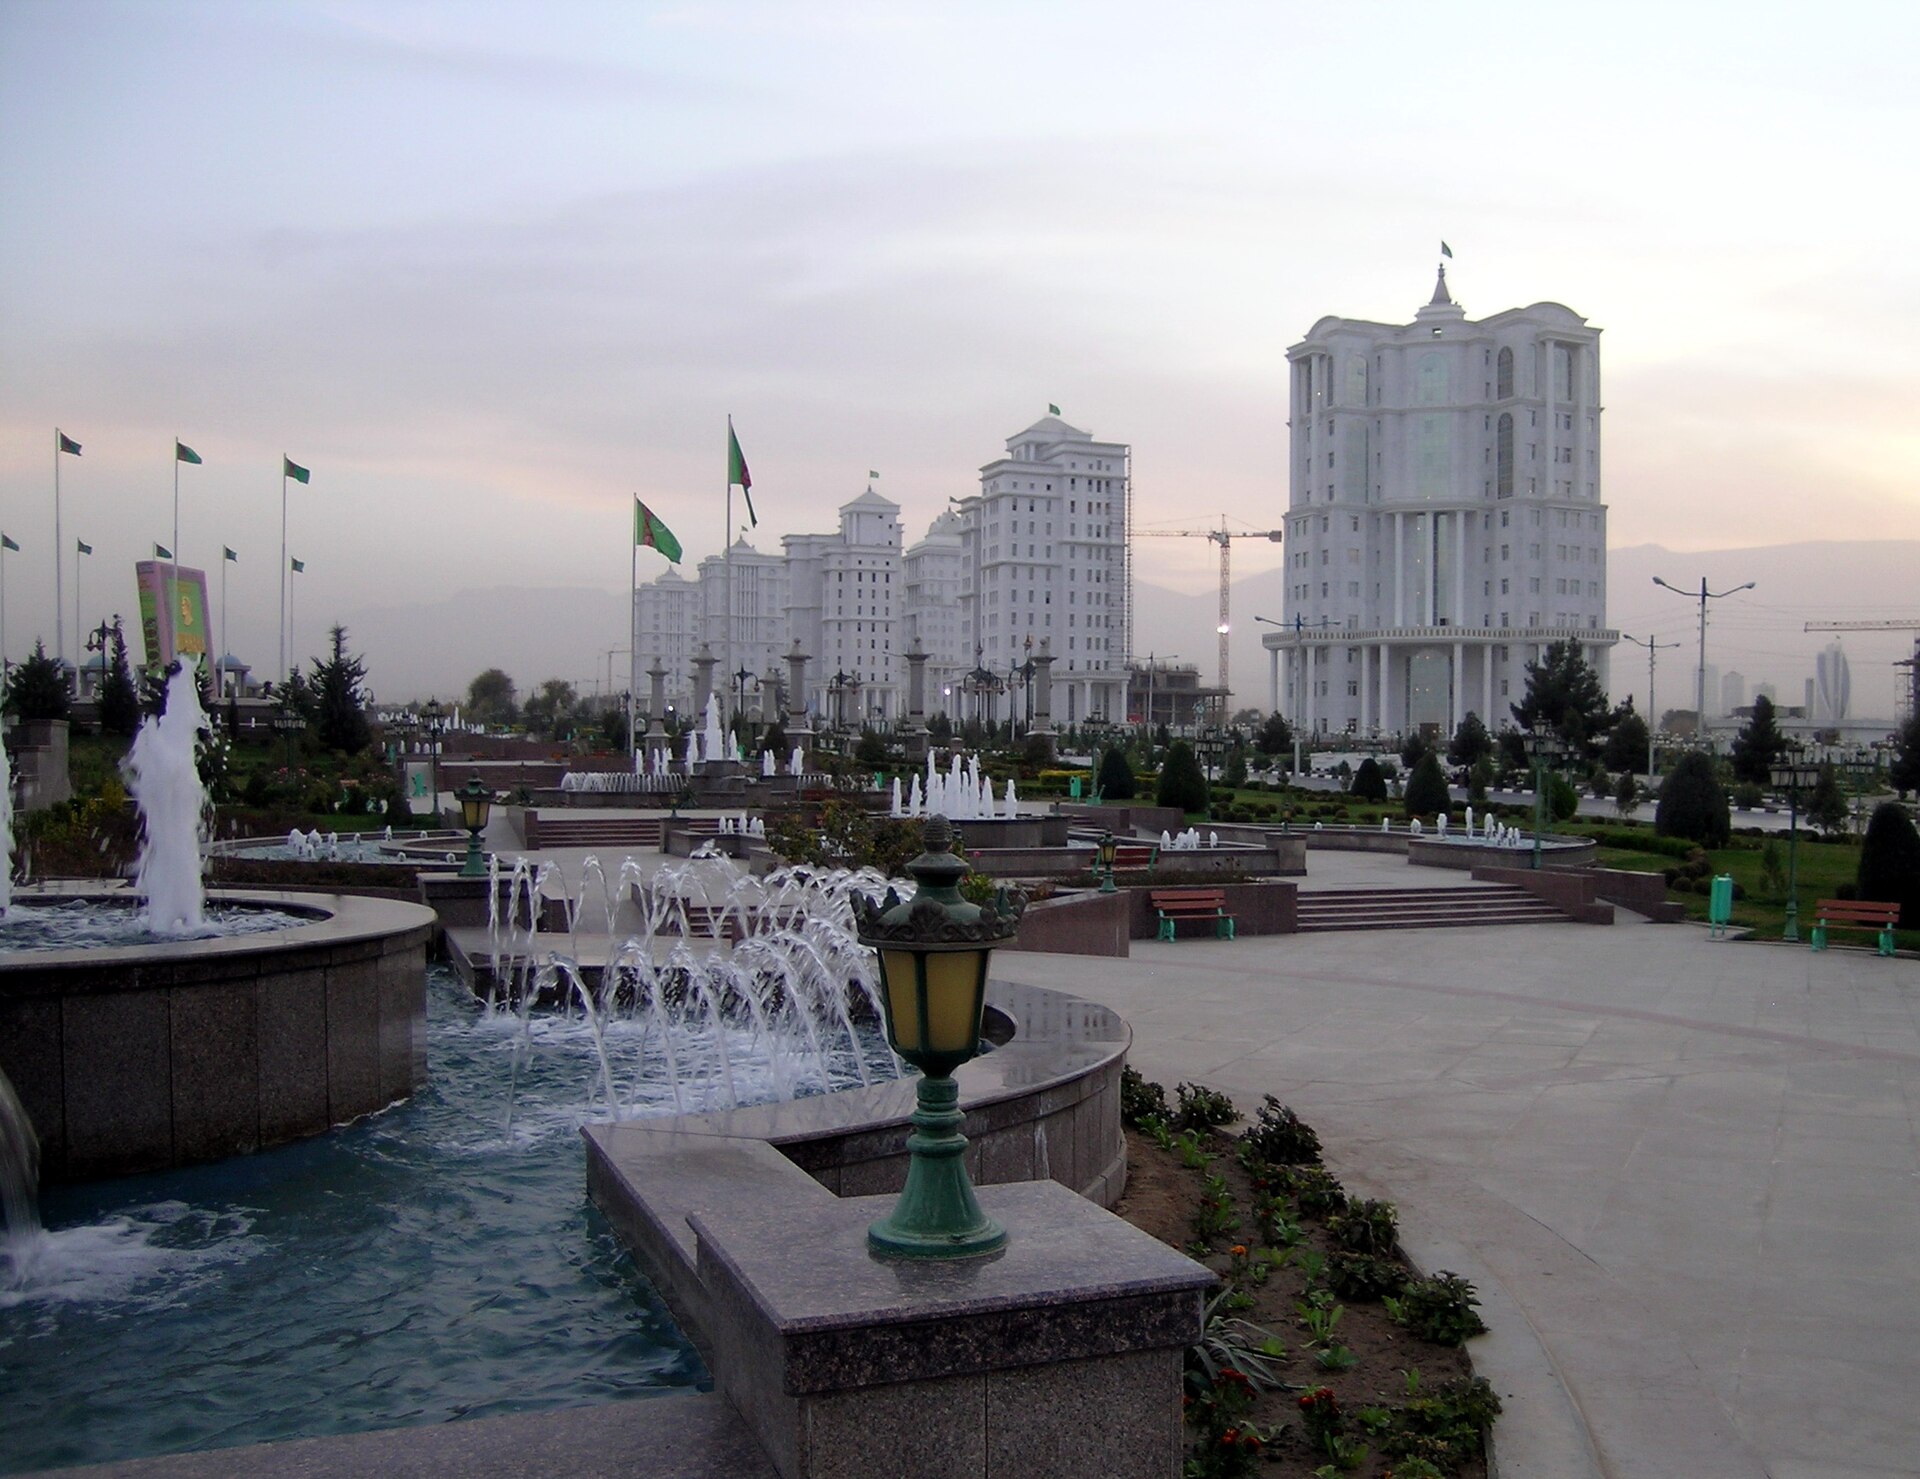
x,y
1445,250
737,472
650,533
1052,410
299,566
161,552
183,453
291,469
67,444
82,547
227,554
6,542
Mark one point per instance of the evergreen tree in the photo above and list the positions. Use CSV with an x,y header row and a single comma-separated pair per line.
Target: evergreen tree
x,y
1758,745
340,717
1692,802
1182,786
491,698
1626,794
1626,741
119,699
1116,775
37,688
1368,783
1415,746
550,710
1564,693
775,741
1427,793
1235,774
1826,805
1904,774
1889,870
1470,743
1275,736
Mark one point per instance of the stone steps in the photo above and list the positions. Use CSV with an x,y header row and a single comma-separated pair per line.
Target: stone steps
x,y
1322,910
589,831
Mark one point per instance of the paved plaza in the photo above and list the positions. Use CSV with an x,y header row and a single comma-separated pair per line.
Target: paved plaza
x,y
1688,1169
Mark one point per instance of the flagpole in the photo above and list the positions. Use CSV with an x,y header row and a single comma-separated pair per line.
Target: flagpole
x,y
281,676
726,556
174,548
633,589
78,649
220,667
60,595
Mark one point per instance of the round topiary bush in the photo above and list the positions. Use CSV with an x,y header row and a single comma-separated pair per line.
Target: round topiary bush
x,y
1427,792
1692,802
1369,784
1889,871
1116,775
1182,786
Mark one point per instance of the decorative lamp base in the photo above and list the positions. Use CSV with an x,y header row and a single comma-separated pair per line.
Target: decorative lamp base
x,y
937,1215
475,865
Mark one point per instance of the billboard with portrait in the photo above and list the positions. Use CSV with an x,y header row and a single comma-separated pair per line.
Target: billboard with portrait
x,y
173,613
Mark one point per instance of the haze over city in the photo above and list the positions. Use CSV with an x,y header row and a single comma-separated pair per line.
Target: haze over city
x,y
490,271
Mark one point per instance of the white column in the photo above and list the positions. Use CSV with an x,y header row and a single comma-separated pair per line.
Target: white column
x,y
1306,666
1399,573
1366,688
1430,557
1386,671
1458,681
1462,522
1273,679
1486,686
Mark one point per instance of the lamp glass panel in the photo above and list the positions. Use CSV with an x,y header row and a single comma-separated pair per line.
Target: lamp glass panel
x,y
953,986
901,972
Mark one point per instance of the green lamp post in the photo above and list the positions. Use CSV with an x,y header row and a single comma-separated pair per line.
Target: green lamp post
x,y
1107,851
1542,748
476,804
1791,771
933,951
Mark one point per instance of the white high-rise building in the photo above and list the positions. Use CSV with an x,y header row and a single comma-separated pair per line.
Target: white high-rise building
x,y
1833,685
1733,692
934,569
847,591
1444,523
1044,560
743,621
665,619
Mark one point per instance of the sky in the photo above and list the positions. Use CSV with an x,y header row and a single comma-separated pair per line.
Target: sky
x,y
490,270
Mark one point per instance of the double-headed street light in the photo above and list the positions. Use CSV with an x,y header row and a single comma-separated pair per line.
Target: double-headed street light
x,y
1792,769
1700,690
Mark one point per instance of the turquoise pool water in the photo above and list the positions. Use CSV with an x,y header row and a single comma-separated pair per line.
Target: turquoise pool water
x,y
424,1265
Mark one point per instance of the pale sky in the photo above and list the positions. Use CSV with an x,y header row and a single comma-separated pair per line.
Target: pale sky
x,y
490,270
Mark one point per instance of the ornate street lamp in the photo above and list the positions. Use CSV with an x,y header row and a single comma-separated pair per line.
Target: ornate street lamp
x,y
1108,849
1791,771
1544,748
933,951
476,804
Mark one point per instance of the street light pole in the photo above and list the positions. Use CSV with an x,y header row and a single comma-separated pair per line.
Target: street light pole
x,y
1700,709
1652,644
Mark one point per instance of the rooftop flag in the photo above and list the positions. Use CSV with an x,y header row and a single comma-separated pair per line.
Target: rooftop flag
x,y
871,475
81,547
1445,250
227,554
183,453
66,443
650,533
1052,410
6,542
737,471
299,566
291,469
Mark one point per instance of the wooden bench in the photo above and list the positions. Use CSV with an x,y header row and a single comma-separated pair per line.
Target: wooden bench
x,y
1854,914
1135,854
1175,904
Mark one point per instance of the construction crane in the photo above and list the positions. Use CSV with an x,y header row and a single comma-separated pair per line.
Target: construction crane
x,y
1224,537
1911,664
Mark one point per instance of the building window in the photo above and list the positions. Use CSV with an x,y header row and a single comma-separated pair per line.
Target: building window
x,y
1503,457
1503,376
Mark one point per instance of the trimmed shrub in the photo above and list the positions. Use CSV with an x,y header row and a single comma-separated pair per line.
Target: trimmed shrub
x,y
1692,803
1182,786
1427,787
1889,871
1116,776
1368,782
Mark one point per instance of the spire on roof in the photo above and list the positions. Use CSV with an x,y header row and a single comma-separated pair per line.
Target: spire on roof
x,y
1440,294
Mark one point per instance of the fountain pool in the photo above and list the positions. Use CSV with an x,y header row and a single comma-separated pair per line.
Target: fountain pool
x,y
415,1267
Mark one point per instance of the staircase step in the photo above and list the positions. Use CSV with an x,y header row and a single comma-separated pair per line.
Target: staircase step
x,y
1325,910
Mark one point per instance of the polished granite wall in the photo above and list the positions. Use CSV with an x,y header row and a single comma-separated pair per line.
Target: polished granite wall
x,y
134,1059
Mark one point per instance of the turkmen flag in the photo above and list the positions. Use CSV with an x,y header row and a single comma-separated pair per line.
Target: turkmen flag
x,y
1445,250
66,443
1053,410
161,552
737,472
291,469
299,566
227,554
183,453
82,547
6,542
650,533
871,475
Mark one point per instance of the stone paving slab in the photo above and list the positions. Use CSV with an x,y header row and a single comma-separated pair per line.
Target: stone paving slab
x,y
1693,1166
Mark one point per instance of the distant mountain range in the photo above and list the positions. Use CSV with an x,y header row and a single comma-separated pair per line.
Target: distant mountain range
x,y
534,634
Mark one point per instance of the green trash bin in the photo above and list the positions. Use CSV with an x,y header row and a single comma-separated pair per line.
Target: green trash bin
x,y
1073,788
1720,903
